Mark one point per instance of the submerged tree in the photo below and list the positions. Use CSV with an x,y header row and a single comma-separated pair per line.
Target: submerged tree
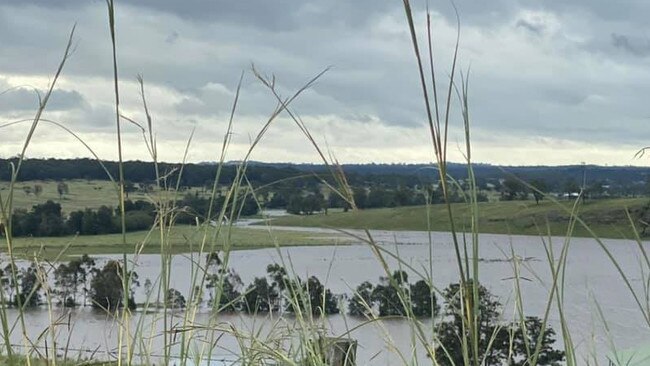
x,y
65,285
224,285
9,284
260,297
68,278
30,286
86,265
314,298
360,304
174,299
106,287
423,300
392,294
526,336
497,342
230,297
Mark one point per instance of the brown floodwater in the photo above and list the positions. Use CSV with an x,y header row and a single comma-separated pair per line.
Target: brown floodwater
x,y
590,279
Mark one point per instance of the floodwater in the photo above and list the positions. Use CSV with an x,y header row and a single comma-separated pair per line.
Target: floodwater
x,y
591,278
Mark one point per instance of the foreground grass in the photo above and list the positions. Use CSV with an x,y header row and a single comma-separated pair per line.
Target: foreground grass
x,y
182,239
606,217
21,360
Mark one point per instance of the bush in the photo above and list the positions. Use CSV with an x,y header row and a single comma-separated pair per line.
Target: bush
x,y
138,220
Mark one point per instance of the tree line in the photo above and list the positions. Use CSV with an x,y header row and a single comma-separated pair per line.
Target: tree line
x,y
76,283
375,196
47,219
620,181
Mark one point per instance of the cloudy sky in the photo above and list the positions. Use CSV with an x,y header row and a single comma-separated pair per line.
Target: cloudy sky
x,y
551,82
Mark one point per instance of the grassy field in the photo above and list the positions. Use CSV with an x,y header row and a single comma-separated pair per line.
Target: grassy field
x,y
182,239
606,217
81,194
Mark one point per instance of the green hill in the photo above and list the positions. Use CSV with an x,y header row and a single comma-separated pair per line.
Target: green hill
x,y
606,217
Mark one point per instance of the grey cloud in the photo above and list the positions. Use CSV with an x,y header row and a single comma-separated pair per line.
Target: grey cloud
x,y
529,26
277,15
564,96
639,47
186,45
23,99
172,37
65,100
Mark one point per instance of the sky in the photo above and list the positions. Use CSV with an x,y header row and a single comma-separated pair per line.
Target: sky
x,y
550,82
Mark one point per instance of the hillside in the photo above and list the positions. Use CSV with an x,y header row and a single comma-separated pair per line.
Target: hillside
x,y
606,217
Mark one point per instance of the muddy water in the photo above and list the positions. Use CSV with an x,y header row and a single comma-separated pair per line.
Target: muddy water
x,y
590,277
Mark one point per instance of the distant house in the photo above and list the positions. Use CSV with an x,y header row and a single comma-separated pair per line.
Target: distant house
x,y
570,195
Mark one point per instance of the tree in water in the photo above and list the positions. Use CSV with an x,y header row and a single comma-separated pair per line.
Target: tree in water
x,y
68,278
260,297
86,269
525,341
30,286
314,298
392,294
65,285
224,283
361,303
423,300
498,342
8,283
106,287
174,299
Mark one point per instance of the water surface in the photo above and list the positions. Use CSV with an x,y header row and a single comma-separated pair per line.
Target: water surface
x,y
590,278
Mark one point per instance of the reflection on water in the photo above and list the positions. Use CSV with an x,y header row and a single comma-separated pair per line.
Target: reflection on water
x,y
590,278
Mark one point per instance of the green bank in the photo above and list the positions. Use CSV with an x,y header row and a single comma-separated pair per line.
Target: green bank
x,y
608,218
179,239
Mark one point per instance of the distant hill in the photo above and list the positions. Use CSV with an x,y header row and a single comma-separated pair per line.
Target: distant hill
x,y
260,173
624,175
